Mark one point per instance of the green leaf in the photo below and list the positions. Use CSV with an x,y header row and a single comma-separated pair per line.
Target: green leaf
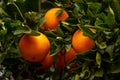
x,y
115,68
101,45
34,33
55,48
50,34
94,7
81,7
21,30
16,23
87,31
42,21
115,4
58,12
2,12
110,50
76,77
2,56
3,30
99,73
85,73
110,18
59,31
98,59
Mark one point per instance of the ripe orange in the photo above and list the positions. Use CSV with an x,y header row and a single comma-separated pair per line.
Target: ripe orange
x,y
47,62
65,58
34,48
52,20
81,43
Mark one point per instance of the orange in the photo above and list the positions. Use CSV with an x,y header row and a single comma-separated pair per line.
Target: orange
x,y
47,62
34,48
52,20
81,43
65,58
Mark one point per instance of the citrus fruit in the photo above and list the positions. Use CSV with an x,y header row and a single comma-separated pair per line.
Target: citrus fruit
x,y
52,19
34,48
47,62
80,42
64,59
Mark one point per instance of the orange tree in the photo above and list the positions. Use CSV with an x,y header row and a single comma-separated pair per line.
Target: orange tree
x,y
80,55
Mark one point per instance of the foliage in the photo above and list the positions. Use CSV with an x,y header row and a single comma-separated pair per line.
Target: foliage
x,y
25,16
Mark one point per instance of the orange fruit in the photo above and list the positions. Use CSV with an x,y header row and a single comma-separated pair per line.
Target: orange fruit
x,y
47,62
65,58
80,42
34,48
52,20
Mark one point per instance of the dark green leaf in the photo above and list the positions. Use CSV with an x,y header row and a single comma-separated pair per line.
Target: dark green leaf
x,y
115,68
2,56
87,31
115,4
110,18
110,50
94,7
55,48
50,34
59,31
22,30
42,21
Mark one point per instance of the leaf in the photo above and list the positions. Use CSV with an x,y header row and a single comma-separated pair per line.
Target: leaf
x,y
101,45
110,18
58,12
76,77
87,31
34,33
59,31
2,56
110,50
21,30
115,68
80,9
85,73
54,49
50,34
2,12
16,23
42,21
99,73
94,7
115,5
98,59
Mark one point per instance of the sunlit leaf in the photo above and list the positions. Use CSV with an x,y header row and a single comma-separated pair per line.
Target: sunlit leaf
x,y
98,59
99,73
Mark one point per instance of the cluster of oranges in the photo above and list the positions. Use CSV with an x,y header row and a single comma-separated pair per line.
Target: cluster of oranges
x,y
37,48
